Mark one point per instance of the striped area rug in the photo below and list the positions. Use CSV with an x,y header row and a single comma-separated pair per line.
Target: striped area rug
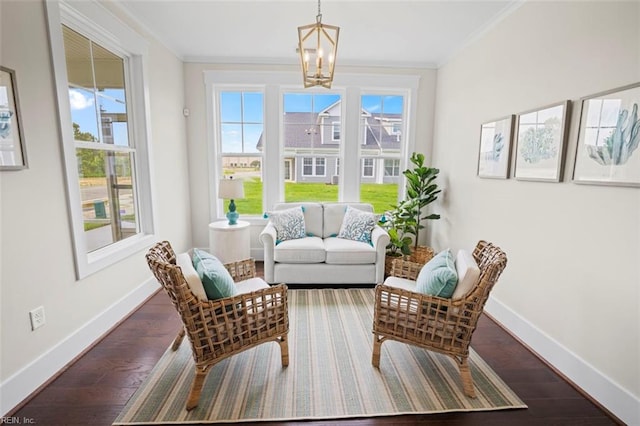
x,y
329,376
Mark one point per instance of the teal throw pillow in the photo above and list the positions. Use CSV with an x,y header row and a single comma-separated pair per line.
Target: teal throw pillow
x,y
289,223
438,277
216,279
357,225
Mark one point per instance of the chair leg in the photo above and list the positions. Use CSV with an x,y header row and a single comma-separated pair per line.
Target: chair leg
x,y
284,350
377,345
196,388
178,340
467,380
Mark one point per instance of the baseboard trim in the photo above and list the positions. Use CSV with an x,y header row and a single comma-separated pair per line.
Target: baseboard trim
x,y
620,402
21,385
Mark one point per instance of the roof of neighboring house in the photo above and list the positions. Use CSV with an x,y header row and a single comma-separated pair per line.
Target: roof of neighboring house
x,y
302,130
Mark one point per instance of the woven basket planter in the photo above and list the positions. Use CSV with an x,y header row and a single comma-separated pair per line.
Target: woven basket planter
x,y
421,254
388,264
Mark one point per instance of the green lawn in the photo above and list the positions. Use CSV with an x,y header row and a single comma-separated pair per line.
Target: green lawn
x,y
381,196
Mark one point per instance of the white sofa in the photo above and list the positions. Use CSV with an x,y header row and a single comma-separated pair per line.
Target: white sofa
x,y
322,257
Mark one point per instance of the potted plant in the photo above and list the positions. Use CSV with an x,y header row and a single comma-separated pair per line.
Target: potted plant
x,y
395,223
421,191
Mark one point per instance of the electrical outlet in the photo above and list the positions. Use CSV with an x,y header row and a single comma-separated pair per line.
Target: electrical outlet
x,y
37,317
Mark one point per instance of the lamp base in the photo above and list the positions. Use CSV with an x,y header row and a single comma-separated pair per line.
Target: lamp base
x,y
233,218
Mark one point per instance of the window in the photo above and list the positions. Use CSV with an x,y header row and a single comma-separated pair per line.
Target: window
x,y
313,166
311,132
99,75
314,142
335,133
367,167
241,118
382,123
392,168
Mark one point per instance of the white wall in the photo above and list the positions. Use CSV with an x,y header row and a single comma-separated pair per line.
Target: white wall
x,y
37,266
571,286
197,134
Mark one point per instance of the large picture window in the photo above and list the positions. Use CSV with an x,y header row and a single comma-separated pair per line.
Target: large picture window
x,y
348,143
98,65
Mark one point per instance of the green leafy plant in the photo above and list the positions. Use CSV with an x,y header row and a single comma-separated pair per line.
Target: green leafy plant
x,y
421,191
395,223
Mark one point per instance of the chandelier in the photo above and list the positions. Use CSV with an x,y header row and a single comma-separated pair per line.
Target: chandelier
x,y
317,45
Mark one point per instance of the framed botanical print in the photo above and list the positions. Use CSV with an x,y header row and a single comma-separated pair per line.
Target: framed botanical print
x,y
12,152
540,143
607,150
494,155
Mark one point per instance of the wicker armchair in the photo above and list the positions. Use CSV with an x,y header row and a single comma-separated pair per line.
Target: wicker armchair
x,y
222,328
434,323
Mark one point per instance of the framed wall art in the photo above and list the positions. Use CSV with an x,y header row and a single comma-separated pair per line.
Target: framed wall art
x,y
540,143
494,155
609,134
12,152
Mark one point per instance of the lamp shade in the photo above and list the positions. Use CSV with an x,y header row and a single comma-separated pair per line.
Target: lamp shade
x,y
230,189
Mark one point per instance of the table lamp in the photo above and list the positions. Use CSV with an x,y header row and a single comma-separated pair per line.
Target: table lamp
x,y
231,189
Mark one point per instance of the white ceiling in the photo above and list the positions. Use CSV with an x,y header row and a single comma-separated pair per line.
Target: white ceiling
x,y
418,33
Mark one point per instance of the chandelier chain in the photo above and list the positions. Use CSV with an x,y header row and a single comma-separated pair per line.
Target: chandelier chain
x,y
319,15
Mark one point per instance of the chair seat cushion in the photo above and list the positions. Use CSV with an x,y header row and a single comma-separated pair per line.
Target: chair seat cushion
x,y
250,285
402,283
438,277
348,252
301,250
216,279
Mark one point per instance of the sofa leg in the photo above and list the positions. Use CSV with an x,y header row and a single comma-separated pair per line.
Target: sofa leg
x,y
377,345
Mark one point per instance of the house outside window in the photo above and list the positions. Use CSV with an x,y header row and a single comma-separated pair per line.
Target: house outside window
x,y
98,68
241,123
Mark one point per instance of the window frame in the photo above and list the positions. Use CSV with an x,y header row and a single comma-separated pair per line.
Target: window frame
x,y
350,87
365,167
95,22
314,166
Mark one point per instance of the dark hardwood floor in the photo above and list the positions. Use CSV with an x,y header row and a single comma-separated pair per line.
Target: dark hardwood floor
x,y
93,390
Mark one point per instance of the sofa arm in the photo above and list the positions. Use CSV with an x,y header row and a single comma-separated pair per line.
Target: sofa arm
x,y
379,240
268,238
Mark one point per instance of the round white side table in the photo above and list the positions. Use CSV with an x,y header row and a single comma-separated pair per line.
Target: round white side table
x,y
230,243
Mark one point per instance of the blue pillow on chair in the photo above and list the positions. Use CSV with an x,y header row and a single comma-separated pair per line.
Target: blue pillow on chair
x,y
216,279
438,277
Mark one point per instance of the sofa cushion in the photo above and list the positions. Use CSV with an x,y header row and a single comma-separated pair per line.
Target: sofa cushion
x,y
348,252
312,216
216,279
183,260
438,277
334,213
302,250
357,225
289,223
468,273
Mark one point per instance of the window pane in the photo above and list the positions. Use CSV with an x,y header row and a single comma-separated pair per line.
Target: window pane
x,y
113,118
106,190
252,108
78,58
230,107
108,68
382,126
249,170
84,115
